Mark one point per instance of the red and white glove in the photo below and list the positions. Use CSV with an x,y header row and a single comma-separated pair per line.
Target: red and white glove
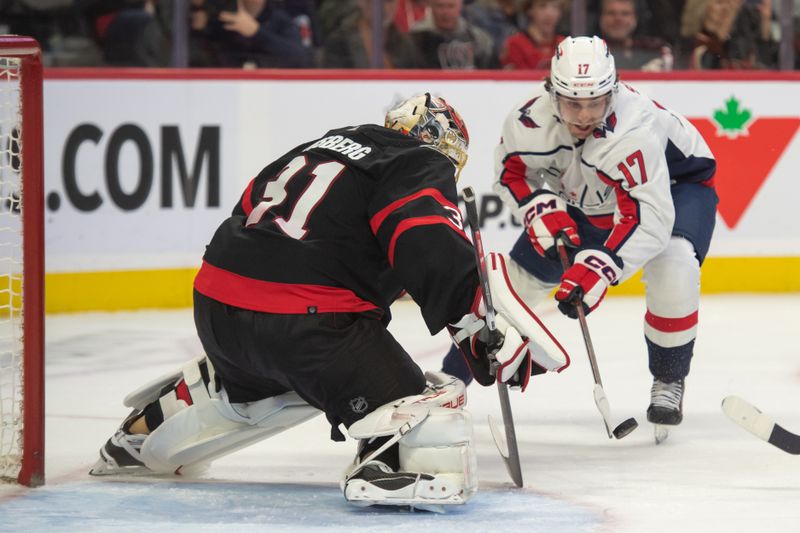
x,y
587,281
505,344
545,218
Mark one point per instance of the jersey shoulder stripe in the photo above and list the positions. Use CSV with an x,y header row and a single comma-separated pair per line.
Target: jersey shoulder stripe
x,y
379,217
409,223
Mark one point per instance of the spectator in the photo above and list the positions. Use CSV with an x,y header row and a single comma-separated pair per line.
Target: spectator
x,y
350,46
445,40
304,15
499,18
618,25
666,15
256,35
409,12
534,47
728,34
134,37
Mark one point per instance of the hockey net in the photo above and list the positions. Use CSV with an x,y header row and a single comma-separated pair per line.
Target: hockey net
x,y
21,263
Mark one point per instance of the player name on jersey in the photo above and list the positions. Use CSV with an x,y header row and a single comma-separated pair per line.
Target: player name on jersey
x,y
342,145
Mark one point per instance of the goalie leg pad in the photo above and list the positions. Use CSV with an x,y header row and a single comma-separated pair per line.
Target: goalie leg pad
x,y
193,435
437,466
437,458
205,431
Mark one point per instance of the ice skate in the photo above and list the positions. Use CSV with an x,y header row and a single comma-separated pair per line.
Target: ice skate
x,y
121,453
666,407
377,484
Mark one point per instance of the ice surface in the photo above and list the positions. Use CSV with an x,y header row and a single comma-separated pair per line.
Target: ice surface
x,y
709,475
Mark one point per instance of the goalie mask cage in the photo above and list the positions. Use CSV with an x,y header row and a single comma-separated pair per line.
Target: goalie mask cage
x,y
21,262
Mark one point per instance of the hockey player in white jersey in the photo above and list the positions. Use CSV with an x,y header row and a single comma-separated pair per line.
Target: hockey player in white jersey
x,y
626,184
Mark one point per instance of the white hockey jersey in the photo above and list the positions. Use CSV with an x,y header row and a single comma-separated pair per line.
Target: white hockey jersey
x,y
619,177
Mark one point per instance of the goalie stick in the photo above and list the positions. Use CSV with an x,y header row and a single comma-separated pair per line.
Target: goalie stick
x,y
626,426
762,426
508,448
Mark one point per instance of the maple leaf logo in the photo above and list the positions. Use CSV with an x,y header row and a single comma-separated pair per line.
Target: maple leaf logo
x,y
732,121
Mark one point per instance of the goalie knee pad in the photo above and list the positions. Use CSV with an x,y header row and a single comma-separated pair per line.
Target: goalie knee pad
x,y
673,295
437,464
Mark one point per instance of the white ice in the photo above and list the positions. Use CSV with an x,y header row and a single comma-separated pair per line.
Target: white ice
x,y
710,475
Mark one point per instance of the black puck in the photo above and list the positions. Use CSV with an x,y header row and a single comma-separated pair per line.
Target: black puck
x,y
625,427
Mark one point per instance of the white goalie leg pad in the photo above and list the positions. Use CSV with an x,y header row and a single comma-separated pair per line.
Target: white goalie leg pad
x,y
442,445
435,448
212,426
150,392
510,305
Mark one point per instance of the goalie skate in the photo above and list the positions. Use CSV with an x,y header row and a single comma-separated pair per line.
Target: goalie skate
x,y
121,455
377,484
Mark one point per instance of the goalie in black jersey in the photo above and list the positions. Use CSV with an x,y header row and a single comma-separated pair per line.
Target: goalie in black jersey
x,y
291,306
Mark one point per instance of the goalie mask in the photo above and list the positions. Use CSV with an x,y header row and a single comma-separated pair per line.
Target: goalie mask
x,y
583,81
434,122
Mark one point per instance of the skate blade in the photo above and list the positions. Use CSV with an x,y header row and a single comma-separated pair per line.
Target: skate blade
x,y
104,468
660,432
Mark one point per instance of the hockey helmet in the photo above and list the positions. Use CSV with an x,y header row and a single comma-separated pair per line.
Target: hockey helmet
x,y
433,121
583,67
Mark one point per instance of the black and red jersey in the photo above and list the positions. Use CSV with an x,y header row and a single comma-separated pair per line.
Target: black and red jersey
x,y
340,224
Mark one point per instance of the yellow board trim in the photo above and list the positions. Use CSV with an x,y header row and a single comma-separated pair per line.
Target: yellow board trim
x,y
736,274
158,289
118,290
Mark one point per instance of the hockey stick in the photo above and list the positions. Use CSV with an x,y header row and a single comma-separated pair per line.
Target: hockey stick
x,y
508,449
625,427
750,418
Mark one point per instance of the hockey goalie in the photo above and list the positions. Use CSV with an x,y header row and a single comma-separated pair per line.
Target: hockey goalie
x,y
292,302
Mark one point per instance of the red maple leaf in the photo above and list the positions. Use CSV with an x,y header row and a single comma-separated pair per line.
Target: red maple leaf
x,y
744,163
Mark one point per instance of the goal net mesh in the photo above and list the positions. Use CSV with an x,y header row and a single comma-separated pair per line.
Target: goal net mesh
x,y
11,278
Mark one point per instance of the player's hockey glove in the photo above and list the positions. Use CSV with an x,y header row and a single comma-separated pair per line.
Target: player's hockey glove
x,y
521,343
479,345
587,280
545,217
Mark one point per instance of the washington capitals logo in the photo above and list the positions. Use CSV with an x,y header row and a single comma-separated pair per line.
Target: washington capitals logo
x,y
611,123
525,114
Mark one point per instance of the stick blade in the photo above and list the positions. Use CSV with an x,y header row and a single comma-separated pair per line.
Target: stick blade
x,y
601,402
744,414
499,437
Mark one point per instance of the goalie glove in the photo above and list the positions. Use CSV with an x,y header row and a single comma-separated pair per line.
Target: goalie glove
x,y
480,345
587,281
521,343
545,217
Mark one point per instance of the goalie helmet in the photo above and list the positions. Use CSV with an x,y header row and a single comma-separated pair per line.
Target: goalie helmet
x,y
583,67
433,121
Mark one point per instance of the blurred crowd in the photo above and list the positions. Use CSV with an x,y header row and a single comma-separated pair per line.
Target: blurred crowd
x,y
650,35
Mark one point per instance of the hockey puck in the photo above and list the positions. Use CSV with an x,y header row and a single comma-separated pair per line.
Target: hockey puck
x,y
625,427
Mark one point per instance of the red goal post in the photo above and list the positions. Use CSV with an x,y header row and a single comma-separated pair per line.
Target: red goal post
x,y
21,262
